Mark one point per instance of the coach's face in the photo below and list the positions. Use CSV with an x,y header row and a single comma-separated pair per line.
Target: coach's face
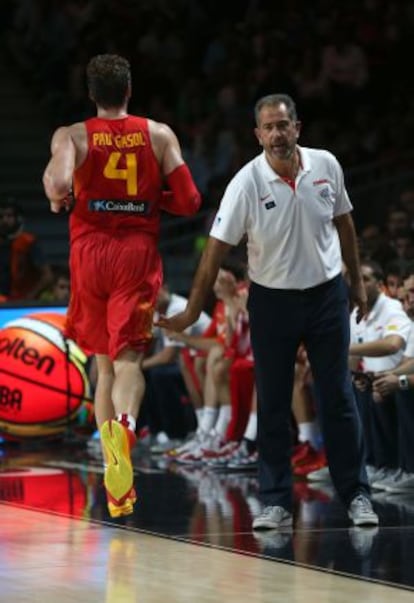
x,y
277,132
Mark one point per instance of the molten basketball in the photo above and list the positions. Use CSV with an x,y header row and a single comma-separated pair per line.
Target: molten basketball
x,y
43,379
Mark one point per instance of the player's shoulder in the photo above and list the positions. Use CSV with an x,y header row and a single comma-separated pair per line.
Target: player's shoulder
x,y
159,128
77,127
65,133
77,132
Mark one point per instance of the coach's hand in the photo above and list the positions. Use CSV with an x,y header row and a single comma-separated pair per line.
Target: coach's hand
x,y
359,299
179,322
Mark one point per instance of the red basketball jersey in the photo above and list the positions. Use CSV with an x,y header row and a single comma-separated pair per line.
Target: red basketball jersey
x,y
118,186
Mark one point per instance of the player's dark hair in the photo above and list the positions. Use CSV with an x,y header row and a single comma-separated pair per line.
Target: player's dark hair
x,y
108,78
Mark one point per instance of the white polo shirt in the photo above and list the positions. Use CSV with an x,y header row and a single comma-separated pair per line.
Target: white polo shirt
x,y
387,317
409,348
292,240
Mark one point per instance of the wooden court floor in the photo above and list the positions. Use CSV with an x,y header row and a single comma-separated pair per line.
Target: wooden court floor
x,y
189,539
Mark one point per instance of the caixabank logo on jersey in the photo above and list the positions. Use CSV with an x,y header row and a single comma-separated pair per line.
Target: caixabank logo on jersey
x,y
119,206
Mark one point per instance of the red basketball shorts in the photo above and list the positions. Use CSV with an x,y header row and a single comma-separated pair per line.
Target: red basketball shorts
x,y
115,280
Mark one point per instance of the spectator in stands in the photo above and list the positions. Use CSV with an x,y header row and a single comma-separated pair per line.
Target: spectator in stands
x,y
406,201
399,382
375,246
377,344
345,68
393,279
397,222
23,268
355,60
59,290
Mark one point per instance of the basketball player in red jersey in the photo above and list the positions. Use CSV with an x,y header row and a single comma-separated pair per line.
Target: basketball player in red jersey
x,y
117,165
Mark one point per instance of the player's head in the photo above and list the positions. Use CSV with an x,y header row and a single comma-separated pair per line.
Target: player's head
x,y
109,80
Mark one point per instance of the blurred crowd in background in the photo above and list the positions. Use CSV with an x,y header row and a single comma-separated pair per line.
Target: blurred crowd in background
x,y
200,65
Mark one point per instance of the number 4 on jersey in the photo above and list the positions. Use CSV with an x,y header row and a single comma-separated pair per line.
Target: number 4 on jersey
x,y
129,173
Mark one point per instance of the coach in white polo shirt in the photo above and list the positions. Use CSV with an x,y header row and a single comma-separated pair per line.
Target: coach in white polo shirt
x,y
292,204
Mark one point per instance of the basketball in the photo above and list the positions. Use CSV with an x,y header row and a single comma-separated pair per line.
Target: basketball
x,y
43,379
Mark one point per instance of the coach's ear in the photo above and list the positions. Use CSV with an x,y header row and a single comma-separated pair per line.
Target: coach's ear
x,y
259,138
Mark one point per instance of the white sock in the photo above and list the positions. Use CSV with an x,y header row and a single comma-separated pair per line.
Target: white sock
x,y
254,505
208,420
223,420
250,432
199,414
127,420
226,507
310,432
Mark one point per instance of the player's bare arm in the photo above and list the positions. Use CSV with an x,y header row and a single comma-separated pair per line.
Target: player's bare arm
x,y
204,279
68,150
185,199
166,146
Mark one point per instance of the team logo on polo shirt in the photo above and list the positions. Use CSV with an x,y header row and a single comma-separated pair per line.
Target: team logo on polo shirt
x,y
325,193
269,204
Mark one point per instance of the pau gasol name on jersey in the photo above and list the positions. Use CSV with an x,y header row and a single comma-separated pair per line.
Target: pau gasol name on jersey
x,y
121,141
119,206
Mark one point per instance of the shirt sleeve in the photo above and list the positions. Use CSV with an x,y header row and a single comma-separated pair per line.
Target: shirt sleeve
x,y
230,223
398,324
343,203
409,348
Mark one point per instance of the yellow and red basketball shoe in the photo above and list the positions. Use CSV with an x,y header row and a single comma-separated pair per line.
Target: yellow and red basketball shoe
x,y
117,441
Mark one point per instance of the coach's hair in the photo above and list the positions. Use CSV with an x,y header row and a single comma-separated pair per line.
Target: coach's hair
x,y
109,79
274,100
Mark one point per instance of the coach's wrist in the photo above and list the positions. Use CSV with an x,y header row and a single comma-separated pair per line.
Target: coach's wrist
x,y
403,382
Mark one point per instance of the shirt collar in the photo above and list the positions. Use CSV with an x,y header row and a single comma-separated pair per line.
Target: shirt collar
x,y
271,175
